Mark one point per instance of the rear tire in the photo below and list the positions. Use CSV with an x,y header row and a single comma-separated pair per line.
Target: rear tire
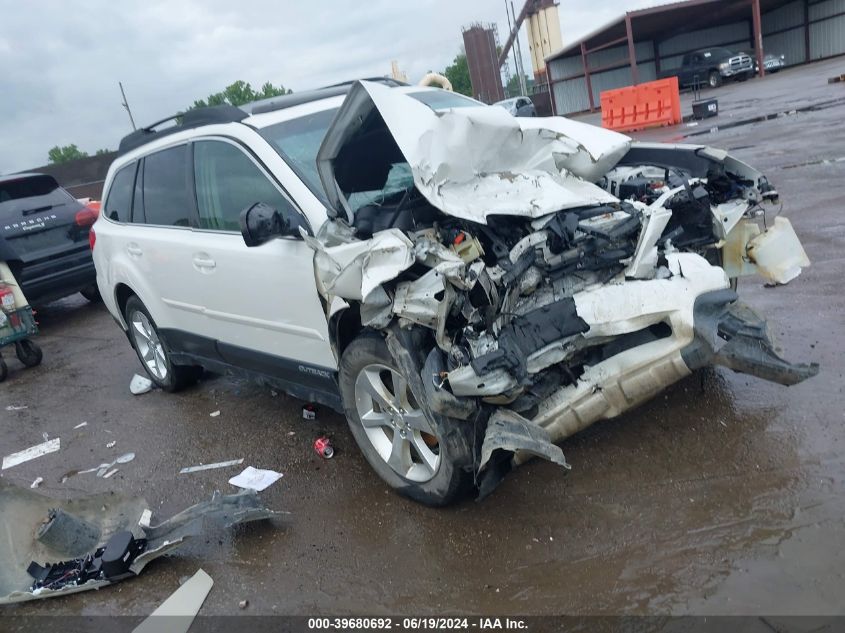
x,y
4,370
28,353
153,352
420,456
92,293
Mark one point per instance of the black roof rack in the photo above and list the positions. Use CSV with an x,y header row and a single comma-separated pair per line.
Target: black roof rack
x,y
184,121
231,114
298,98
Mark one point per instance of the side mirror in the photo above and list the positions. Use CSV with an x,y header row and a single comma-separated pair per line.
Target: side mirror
x,y
261,223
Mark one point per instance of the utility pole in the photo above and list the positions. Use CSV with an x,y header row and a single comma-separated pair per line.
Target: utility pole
x,y
518,54
125,104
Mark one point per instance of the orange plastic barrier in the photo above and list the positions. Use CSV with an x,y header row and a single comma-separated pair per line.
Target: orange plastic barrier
x,y
651,104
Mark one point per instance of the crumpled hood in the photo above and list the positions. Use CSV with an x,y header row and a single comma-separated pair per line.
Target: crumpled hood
x,y
470,162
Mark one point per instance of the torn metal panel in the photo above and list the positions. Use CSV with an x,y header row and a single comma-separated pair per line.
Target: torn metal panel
x,y
616,309
644,262
424,301
353,270
509,433
470,163
48,531
731,334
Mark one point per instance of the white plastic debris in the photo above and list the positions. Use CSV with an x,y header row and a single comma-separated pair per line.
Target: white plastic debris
x,y
177,613
102,469
214,414
194,469
140,384
255,478
110,473
146,517
111,444
80,425
50,446
37,482
16,407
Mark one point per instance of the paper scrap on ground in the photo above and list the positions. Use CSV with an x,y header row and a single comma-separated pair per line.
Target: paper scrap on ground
x,y
140,384
193,469
13,407
110,473
177,613
111,444
80,425
255,478
146,517
37,482
214,414
50,446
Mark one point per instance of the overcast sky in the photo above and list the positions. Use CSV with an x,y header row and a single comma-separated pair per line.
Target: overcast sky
x,y
60,61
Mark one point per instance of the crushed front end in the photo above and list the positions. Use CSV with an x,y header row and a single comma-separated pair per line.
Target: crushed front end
x,y
551,273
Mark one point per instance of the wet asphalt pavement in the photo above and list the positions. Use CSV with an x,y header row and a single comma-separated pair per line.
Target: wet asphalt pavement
x,y
722,496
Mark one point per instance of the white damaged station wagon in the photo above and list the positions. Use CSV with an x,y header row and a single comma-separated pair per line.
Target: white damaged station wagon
x,y
467,287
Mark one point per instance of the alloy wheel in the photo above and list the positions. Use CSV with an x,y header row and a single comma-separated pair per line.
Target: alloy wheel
x,y
149,345
394,423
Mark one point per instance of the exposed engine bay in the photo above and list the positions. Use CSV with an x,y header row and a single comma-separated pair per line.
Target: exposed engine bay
x,y
558,273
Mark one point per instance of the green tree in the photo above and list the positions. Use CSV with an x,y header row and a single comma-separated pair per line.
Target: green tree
x,y
65,153
513,88
239,93
100,152
458,74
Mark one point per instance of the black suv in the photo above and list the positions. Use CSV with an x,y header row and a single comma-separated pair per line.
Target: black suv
x,y
44,238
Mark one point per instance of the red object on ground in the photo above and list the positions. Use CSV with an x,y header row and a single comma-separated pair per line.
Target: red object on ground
x,y
652,104
7,298
323,446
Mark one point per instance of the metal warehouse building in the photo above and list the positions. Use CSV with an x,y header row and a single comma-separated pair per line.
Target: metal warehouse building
x,y
637,46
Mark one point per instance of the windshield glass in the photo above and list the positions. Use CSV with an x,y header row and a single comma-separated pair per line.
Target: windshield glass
x,y
299,140
718,53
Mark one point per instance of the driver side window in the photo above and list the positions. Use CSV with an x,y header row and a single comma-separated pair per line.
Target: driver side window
x,y
227,181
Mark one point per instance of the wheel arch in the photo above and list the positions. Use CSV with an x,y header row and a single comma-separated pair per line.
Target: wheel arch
x,y
344,326
122,293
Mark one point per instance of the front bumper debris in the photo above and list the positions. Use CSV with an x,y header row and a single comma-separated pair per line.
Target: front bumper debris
x,y
731,334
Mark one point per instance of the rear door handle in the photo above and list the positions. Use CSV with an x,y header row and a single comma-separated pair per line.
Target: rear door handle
x,y
203,262
134,250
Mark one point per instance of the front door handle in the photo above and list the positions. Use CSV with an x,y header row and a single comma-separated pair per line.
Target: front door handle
x,y
203,262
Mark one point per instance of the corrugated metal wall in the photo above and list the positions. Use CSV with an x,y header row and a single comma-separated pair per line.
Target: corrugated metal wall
x,y
788,41
736,35
827,38
783,34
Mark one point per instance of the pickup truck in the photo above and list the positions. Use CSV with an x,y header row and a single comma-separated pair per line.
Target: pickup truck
x,y
712,66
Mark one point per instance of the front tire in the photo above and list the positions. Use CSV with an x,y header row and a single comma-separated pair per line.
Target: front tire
x,y
714,79
153,351
418,455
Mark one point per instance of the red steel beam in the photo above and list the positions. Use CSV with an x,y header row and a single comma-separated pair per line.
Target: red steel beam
x,y
807,31
587,76
758,35
608,44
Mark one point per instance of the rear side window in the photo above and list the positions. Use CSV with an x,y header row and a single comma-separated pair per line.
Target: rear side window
x,y
166,200
119,203
227,182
